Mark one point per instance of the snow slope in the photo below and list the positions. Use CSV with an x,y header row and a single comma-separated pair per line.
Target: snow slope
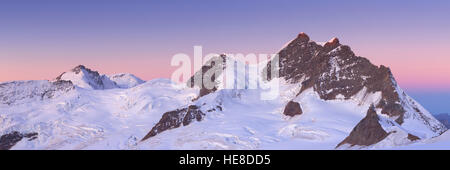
x,y
249,123
92,119
82,109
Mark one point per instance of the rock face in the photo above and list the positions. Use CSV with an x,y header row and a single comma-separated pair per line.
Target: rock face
x,y
60,85
333,69
175,119
332,44
210,67
292,109
7,141
367,132
17,92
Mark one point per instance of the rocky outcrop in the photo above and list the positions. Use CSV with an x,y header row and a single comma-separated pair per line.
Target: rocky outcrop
x,y
176,118
429,121
7,141
333,69
367,132
60,85
87,78
17,92
412,137
303,37
210,67
292,109
330,45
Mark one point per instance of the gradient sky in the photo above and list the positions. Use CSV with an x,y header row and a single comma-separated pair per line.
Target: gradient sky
x,y
41,39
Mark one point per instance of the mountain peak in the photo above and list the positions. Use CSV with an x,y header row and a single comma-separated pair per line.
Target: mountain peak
x,y
80,67
331,44
303,37
333,41
333,71
84,77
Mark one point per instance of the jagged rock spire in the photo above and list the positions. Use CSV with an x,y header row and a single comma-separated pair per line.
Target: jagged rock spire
x,y
332,44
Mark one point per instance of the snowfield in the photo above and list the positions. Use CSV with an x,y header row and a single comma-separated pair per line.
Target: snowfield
x,y
92,119
119,118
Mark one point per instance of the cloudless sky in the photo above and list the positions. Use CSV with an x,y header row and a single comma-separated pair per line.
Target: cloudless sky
x,y
39,39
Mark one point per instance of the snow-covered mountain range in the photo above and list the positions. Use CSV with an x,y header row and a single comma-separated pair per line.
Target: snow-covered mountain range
x,y
329,98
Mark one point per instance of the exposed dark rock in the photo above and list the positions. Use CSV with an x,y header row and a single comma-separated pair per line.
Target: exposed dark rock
x,y
7,141
334,69
95,80
412,137
175,119
330,45
201,74
367,132
192,113
303,37
214,109
31,136
292,109
219,107
59,85
79,68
